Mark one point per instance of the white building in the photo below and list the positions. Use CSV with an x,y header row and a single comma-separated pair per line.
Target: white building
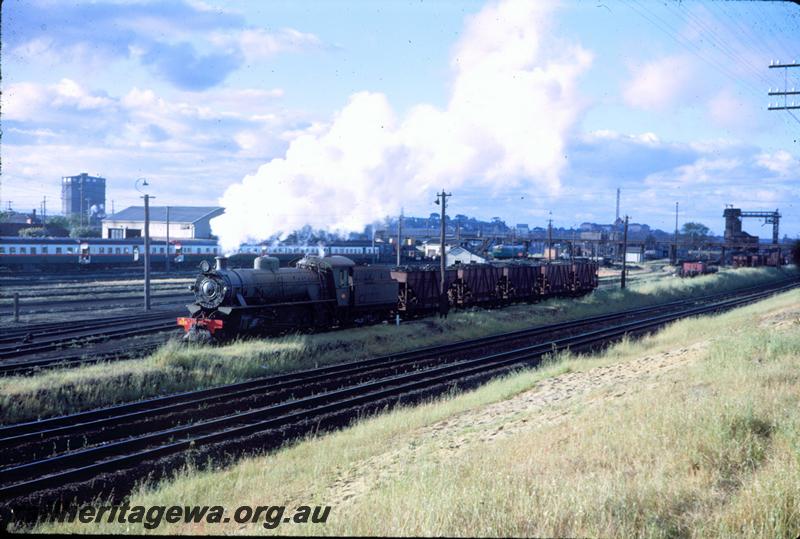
x,y
185,222
461,255
633,258
455,253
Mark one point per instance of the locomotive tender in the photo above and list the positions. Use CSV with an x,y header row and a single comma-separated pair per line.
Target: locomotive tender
x,y
331,291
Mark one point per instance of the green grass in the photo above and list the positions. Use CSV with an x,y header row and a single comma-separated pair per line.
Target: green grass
x,y
711,449
176,367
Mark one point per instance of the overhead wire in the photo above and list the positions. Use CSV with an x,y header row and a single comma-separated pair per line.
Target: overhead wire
x,y
688,45
665,27
717,41
756,41
778,33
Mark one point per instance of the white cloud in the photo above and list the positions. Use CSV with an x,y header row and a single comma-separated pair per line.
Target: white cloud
x,y
27,101
659,84
23,101
647,137
780,162
730,111
188,146
512,105
703,171
258,43
68,92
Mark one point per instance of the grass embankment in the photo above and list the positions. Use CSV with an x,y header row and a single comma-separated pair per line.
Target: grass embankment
x,y
710,447
179,368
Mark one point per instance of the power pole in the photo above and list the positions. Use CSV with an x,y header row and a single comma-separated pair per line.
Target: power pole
x,y
399,235
372,229
675,243
44,215
624,253
550,239
147,251
572,248
166,265
786,92
443,230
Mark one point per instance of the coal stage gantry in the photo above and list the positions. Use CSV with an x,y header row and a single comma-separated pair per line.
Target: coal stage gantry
x,y
733,225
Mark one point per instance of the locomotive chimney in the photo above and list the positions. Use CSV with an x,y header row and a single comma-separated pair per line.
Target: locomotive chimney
x,y
222,263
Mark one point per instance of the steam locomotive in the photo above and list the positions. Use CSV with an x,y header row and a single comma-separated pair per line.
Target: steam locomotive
x,y
331,291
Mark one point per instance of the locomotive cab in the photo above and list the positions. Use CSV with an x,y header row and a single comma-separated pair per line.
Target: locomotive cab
x,y
339,269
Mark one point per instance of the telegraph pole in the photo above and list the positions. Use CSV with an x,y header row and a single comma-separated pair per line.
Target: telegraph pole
x,y
166,265
624,253
44,215
399,235
372,228
675,243
443,229
786,92
572,248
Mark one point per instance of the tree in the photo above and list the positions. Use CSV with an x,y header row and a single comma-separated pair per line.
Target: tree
x,y
84,232
31,232
59,221
796,253
695,232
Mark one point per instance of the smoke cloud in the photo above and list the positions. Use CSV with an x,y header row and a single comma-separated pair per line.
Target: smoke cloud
x,y
513,103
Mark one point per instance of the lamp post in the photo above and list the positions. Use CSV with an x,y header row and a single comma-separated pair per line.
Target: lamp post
x,y
141,184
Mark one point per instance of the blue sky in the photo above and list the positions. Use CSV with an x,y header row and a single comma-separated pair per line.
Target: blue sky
x,y
336,113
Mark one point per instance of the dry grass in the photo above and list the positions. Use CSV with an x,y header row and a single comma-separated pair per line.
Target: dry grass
x,y
179,368
711,448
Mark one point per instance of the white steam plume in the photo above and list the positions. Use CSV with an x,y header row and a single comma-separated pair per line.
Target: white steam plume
x,y
512,105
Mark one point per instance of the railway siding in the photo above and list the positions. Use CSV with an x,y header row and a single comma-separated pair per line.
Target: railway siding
x,y
176,368
268,427
558,438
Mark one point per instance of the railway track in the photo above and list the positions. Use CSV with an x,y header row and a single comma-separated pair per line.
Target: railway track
x,y
25,367
46,306
77,291
13,366
27,279
36,339
117,445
